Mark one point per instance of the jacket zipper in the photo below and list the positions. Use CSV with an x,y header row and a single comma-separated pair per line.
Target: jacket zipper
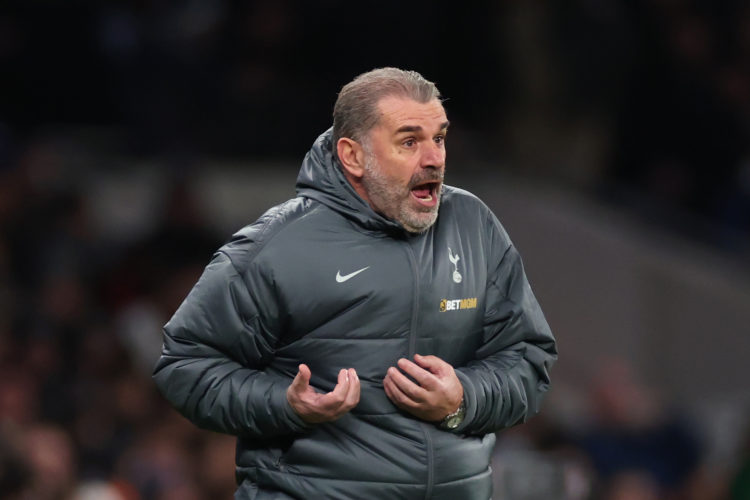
x,y
415,301
412,352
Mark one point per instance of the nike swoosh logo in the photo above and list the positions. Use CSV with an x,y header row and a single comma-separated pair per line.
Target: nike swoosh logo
x,y
341,279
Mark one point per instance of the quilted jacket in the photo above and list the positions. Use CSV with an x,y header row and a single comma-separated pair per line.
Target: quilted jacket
x,y
324,280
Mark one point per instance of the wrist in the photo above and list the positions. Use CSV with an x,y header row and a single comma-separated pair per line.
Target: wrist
x,y
455,418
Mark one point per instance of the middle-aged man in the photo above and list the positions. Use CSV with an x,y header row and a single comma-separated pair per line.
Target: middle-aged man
x,y
357,343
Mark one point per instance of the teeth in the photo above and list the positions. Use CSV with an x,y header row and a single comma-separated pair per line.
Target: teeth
x,y
428,198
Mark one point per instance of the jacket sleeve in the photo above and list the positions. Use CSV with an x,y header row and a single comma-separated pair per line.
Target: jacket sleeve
x,y
212,364
510,373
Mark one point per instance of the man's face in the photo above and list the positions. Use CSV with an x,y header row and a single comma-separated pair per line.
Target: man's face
x,y
405,162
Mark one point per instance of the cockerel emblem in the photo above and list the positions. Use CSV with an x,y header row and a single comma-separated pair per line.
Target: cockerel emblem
x,y
454,259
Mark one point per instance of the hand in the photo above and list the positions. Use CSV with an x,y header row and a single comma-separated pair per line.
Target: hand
x,y
314,407
437,393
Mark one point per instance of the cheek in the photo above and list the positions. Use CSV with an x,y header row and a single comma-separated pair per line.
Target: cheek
x,y
400,170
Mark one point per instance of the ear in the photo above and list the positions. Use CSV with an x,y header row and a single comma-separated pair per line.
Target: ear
x,y
352,156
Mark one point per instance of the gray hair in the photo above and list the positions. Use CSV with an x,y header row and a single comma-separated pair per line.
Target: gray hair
x,y
356,110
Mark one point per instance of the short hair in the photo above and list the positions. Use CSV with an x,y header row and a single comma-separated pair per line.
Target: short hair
x,y
356,110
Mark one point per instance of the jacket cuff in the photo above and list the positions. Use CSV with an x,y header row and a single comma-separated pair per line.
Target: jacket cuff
x,y
470,403
290,417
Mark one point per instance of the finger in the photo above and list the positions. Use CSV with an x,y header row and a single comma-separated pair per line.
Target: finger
x,y
352,397
342,386
406,386
423,377
302,379
396,395
388,386
431,363
334,399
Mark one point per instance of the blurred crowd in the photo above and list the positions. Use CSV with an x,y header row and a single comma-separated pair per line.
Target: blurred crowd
x,y
79,334
626,442
646,103
683,130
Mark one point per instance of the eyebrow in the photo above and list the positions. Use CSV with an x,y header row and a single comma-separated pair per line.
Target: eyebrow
x,y
417,128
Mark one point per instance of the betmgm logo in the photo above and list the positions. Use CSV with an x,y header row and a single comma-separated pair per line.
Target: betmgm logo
x,y
458,304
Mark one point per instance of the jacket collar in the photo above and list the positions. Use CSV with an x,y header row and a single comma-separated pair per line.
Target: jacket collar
x,y
321,178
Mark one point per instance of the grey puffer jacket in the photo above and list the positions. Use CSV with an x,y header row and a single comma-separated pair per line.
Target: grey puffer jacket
x,y
324,280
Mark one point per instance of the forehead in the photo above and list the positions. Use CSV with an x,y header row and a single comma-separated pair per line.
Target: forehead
x,y
396,112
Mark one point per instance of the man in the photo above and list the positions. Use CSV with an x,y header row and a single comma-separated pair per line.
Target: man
x,y
358,344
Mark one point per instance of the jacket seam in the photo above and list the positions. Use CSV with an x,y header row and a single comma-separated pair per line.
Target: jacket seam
x,y
289,473
492,281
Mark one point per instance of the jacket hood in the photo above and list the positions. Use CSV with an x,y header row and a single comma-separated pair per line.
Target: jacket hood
x,y
322,179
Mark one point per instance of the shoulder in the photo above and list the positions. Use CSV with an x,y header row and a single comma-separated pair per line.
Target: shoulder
x,y
468,211
463,204
254,238
455,198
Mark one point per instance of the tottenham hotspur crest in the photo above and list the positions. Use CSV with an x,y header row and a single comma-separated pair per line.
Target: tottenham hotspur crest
x,y
454,259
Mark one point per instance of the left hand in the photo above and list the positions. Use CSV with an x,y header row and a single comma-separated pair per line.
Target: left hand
x,y
437,393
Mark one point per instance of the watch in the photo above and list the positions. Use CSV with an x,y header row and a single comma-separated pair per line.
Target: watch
x,y
453,420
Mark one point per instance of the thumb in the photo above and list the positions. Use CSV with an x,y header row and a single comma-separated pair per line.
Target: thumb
x,y
302,380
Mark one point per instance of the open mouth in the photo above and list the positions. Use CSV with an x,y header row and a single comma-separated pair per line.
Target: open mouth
x,y
427,193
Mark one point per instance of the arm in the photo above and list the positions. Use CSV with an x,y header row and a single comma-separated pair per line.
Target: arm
x,y
506,381
215,349
212,368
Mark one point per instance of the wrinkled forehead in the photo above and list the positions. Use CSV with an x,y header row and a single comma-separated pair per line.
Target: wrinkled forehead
x,y
396,112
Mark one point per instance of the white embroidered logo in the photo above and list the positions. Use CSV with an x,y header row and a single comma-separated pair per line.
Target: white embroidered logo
x,y
454,259
341,279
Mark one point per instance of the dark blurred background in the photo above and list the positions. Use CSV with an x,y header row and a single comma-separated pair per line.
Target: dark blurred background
x,y
611,137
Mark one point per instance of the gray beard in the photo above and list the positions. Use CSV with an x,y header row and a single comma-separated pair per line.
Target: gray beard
x,y
394,201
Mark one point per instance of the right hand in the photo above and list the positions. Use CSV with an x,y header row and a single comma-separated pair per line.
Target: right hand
x,y
314,407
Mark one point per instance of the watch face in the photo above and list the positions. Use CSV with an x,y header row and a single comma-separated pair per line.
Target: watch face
x,y
454,421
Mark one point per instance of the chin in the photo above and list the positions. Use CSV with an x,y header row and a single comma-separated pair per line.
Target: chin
x,y
421,226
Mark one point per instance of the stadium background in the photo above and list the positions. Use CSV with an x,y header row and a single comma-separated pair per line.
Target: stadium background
x,y
612,138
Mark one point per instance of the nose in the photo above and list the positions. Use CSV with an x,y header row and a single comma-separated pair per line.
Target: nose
x,y
434,156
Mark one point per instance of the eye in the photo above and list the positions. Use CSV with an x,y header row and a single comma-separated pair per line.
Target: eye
x,y
409,142
440,139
